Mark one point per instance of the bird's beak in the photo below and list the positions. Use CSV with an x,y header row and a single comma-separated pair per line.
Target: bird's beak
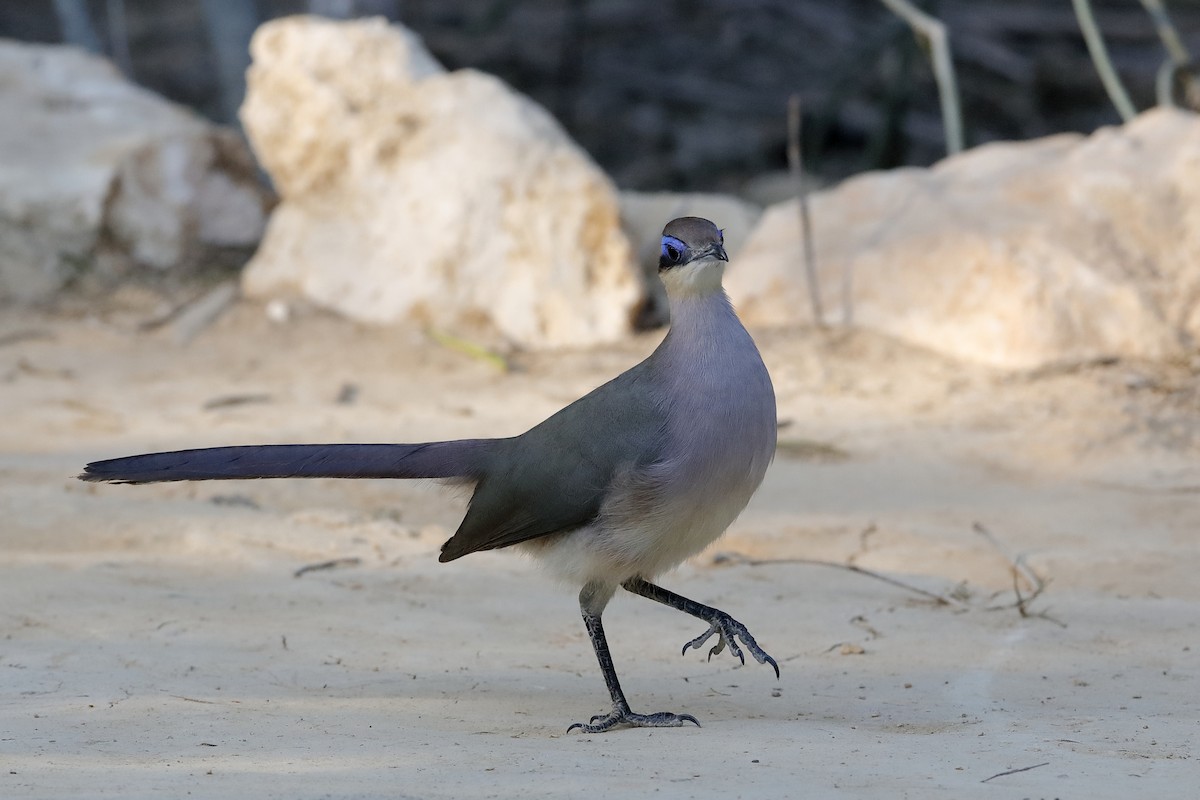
x,y
716,251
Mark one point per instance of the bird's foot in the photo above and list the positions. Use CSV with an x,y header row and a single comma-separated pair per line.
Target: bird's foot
x,y
730,630
623,716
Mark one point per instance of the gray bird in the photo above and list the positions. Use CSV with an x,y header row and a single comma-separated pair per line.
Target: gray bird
x,y
620,486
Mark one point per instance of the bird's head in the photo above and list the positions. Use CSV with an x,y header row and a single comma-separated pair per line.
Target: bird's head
x,y
693,257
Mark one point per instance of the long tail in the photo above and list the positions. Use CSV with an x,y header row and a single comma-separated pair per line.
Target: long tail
x,y
457,459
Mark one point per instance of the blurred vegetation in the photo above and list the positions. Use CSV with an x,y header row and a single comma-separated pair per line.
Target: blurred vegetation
x,y
688,95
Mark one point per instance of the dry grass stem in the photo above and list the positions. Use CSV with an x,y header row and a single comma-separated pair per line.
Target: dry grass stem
x,y
933,34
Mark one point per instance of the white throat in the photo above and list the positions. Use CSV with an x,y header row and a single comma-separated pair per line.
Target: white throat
x,y
694,278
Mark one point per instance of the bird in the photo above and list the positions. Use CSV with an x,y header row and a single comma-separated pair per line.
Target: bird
x,y
612,491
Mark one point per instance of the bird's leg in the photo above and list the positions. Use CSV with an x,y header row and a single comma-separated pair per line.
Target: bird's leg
x,y
720,623
592,600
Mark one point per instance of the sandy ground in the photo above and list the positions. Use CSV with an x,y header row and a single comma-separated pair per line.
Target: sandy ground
x,y
156,642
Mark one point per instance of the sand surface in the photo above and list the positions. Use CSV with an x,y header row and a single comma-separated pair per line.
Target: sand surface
x,y
156,642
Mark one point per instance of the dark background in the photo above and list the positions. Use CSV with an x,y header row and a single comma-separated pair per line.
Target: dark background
x,y
686,95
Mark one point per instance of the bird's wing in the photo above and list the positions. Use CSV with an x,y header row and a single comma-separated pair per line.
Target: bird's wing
x,y
554,477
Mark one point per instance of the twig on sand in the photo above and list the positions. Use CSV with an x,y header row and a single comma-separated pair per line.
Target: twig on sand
x,y
334,563
1020,571
470,349
737,558
1015,771
198,315
192,316
230,400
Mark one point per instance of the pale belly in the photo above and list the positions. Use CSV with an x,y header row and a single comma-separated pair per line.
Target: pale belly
x,y
637,536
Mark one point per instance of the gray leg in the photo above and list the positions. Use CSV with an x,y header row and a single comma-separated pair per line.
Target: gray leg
x,y
720,623
592,600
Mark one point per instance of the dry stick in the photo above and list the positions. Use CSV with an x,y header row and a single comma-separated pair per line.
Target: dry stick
x,y
471,349
1164,83
1020,569
1108,75
933,32
229,400
797,168
1015,771
194,318
1166,31
1178,57
331,564
1017,563
753,562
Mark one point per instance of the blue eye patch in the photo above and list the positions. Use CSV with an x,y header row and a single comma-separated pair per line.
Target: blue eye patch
x,y
672,252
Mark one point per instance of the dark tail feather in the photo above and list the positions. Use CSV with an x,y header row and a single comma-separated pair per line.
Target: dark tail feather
x,y
458,459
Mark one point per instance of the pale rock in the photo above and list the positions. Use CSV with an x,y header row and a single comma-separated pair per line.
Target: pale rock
x,y
99,176
410,194
643,215
1015,255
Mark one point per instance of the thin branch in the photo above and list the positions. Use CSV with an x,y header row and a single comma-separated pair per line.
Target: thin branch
x,y
1015,771
1020,571
796,164
737,558
1177,59
933,33
1178,79
1175,48
1016,563
470,348
1108,75
1164,83
331,564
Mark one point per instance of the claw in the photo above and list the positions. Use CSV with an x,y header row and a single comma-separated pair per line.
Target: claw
x,y
699,641
733,648
623,716
729,630
720,645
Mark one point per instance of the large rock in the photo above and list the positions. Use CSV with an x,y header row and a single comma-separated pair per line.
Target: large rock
x,y
410,193
1014,255
98,175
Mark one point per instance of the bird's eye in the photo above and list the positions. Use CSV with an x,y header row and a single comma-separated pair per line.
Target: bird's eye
x,y
721,237
672,253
